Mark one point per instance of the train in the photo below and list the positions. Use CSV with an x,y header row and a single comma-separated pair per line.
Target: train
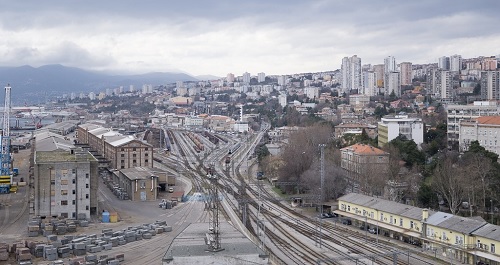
x,y
198,145
234,148
211,138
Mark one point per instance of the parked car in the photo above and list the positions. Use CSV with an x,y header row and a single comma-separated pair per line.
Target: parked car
x,y
373,231
331,215
170,190
346,221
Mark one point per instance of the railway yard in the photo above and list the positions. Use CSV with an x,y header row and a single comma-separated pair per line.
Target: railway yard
x,y
288,235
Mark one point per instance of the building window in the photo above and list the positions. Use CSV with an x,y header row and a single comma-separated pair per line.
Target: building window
x,y
123,149
122,155
146,154
133,149
64,202
74,191
146,161
134,155
87,186
122,161
390,219
73,215
52,182
493,248
146,149
400,221
411,224
64,182
64,215
73,171
64,192
134,161
87,175
74,202
122,166
381,217
73,181
87,207
348,208
86,196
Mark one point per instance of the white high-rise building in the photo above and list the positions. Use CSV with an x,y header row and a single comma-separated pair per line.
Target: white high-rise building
x,y
312,92
455,63
282,99
370,84
261,77
282,80
444,63
230,78
389,67
393,84
444,84
92,96
351,74
131,88
246,78
179,84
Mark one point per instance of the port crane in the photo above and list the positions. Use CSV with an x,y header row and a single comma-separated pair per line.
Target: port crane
x,y
5,156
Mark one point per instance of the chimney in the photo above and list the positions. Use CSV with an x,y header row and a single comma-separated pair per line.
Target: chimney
x,y
425,214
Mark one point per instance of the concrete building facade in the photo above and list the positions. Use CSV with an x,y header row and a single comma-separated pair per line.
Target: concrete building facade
x,y
391,127
485,130
66,183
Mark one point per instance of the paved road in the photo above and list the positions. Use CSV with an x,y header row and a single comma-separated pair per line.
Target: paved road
x,y
14,212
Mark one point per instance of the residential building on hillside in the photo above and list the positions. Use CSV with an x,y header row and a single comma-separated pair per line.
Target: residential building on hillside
x,y
359,102
393,84
455,63
406,73
355,128
389,67
361,160
369,84
485,130
458,113
351,74
490,85
391,127
378,69
444,63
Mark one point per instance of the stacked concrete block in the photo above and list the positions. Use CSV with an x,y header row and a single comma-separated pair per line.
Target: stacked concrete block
x,y
4,251
57,262
79,249
147,236
167,228
71,228
84,223
23,254
158,230
64,252
91,258
52,238
161,222
50,253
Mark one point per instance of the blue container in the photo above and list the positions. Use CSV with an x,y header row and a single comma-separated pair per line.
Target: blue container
x,y
105,217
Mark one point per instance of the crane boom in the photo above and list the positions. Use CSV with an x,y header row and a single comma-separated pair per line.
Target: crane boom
x,y
5,155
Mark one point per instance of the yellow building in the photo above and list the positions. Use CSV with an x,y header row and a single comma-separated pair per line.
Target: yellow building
x,y
395,220
466,240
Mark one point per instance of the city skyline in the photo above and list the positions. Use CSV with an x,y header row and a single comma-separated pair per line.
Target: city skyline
x,y
220,37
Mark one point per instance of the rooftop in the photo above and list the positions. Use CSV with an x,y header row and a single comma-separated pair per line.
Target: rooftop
x,y
59,156
495,120
364,149
137,173
189,247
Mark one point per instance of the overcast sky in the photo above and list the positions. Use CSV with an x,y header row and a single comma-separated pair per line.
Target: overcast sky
x,y
221,36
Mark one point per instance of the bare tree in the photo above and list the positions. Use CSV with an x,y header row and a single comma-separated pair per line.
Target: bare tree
x,y
334,183
302,150
479,169
450,181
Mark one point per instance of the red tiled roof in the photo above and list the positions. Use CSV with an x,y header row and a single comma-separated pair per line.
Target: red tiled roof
x,y
489,120
364,149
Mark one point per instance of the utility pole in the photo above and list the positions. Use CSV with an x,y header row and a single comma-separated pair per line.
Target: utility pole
x,y
322,174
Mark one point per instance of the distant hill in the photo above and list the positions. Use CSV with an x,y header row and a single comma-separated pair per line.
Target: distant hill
x,y
207,77
29,83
